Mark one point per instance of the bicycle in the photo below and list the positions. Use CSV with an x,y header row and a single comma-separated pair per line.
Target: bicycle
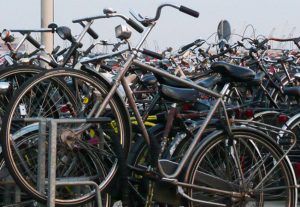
x,y
248,185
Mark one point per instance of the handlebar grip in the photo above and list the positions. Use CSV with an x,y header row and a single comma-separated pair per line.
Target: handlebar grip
x,y
89,49
152,54
135,25
262,43
91,32
189,11
214,57
55,50
62,52
220,54
297,39
32,41
105,67
184,48
53,64
33,53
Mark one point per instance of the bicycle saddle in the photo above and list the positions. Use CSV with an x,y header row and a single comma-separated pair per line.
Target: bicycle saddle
x,y
233,73
209,82
259,76
179,94
292,90
149,79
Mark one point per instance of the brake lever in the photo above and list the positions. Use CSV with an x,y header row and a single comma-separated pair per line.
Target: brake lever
x,y
143,20
138,17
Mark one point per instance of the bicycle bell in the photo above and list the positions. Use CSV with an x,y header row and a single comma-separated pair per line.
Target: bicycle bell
x,y
109,11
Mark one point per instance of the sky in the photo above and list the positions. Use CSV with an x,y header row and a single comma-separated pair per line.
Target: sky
x,y
174,28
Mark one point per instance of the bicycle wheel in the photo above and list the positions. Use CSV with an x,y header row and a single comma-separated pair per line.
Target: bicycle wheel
x,y
14,76
247,165
88,154
140,157
141,186
282,99
293,124
9,189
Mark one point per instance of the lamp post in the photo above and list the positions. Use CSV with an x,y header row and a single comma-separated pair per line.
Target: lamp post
x,y
47,17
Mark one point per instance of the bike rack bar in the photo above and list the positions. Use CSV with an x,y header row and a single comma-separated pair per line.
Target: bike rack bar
x,y
91,183
17,194
24,203
10,186
42,156
52,152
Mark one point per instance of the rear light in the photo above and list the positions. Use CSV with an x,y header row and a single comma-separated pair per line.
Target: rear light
x,y
238,113
94,141
186,107
2,61
65,109
297,169
205,97
272,69
249,113
242,161
282,118
115,67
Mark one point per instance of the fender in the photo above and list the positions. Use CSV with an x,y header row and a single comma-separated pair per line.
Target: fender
x,y
262,113
290,121
284,80
23,131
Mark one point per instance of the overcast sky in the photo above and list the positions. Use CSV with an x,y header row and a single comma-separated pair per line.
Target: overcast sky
x,y
174,28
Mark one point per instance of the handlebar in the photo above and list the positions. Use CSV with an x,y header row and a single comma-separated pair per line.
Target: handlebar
x,y
258,45
30,38
224,52
197,42
129,21
183,9
148,21
296,39
262,43
135,25
152,54
186,47
89,49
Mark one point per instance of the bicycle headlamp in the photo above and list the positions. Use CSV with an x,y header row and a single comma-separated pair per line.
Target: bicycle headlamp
x,y
122,32
7,36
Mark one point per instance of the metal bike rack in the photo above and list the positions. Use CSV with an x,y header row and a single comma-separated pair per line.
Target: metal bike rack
x,y
52,152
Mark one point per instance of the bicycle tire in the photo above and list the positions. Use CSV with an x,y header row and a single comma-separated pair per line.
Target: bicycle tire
x,y
15,76
265,146
293,124
115,104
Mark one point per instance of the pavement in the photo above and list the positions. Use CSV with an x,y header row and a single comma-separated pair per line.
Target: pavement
x,y
267,204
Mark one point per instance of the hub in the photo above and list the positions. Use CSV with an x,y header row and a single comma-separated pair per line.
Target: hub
x,y
68,137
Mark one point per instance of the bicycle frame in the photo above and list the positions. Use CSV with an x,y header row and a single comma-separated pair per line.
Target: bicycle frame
x,y
219,104
120,79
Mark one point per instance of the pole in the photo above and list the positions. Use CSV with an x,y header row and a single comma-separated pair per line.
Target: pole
x,y
47,17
